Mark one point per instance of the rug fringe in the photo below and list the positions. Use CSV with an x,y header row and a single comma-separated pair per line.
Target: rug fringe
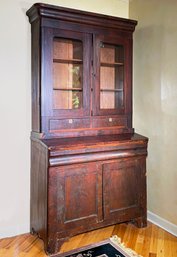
x,y
116,240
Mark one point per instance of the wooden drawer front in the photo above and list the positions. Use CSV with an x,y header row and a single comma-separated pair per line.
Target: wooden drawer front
x,y
69,124
109,122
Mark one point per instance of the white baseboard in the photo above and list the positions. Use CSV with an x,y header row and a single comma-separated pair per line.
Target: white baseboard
x,y
10,231
165,224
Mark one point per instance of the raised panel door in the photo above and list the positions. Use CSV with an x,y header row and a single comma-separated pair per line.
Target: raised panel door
x,y
124,189
75,197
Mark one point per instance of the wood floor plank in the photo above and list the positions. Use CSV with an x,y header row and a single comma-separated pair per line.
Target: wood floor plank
x,y
147,241
160,243
154,239
151,241
138,247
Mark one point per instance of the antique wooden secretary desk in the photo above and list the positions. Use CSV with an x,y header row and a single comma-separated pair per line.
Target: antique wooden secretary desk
x,y
88,167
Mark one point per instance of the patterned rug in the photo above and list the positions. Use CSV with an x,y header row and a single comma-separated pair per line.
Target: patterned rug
x,y
108,248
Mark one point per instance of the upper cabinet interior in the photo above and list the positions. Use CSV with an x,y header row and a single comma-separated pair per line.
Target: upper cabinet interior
x,y
82,72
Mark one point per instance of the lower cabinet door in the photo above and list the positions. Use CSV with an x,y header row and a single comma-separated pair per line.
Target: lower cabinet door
x,y
74,197
124,189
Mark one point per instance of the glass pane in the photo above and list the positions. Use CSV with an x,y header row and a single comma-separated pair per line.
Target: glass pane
x,y
67,99
67,74
67,49
111,76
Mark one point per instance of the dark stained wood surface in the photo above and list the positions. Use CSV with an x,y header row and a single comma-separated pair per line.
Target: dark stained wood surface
x,y
38,192
73,15
35,76
83,194
49,22
86,162
119,139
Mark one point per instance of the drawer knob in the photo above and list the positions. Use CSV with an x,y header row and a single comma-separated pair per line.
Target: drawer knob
x,y
110,119
70,121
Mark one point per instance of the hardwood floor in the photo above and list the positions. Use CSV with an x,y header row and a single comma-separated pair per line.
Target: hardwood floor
x,y
151,241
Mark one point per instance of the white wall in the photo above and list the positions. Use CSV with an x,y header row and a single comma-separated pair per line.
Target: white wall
x,y
155,99
15,110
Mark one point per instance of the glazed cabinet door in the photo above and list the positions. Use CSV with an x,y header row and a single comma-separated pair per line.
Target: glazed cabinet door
x,y
124,189
66,73
75,197
112,69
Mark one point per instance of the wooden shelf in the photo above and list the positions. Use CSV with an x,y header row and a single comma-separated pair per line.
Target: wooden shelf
x,y
72,61
104,64
68,89
110,90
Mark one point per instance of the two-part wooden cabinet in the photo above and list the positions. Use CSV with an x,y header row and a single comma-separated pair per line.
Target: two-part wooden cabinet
x,y
88,167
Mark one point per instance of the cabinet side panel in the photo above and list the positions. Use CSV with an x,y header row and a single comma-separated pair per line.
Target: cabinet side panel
x,y
38,201
35,44
128,77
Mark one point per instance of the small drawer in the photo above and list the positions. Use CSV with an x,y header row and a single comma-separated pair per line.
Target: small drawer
x,y
109,122
69,124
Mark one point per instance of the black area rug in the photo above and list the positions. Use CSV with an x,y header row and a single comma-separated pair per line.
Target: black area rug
x,y
105,248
